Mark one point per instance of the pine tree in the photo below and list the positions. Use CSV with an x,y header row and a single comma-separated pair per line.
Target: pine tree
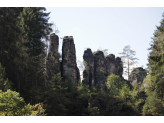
x,y
23,49
129,60
154,82
55,97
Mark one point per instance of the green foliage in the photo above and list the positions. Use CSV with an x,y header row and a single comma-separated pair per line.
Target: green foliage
x,y
94,90
153,106
4,82
23,50
93,111
55,99
124,93
114,84
154,82
85,64
11,104
78,98
34,110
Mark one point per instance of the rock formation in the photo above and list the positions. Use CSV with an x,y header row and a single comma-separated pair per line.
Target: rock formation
x,y
119,66
100,71
53,63
69,66
88,73
111,64
99,67
96,70
114,65
137,76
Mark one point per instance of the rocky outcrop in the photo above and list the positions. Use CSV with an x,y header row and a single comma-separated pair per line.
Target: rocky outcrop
x,y
137,76
53,63
114,65
119,66
100,71
111,64
69,66
99,67
88,73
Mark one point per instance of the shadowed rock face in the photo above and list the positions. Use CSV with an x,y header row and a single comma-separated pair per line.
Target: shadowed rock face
x,y
99,67
88,73
69,66
100,72
53,55
111,64
137,76
119,67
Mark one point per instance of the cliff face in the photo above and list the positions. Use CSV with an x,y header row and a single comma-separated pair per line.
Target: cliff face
x,y
69,66
99,67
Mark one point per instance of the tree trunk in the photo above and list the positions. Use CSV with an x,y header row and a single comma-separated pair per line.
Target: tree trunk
x,y
2,61
128,69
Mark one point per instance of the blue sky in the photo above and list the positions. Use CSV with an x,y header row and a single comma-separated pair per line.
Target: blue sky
x,y
109,28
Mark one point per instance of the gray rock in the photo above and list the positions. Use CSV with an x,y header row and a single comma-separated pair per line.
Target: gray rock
x,y
100,72
88,73
137,76
53,63
119,66
69,66
111,64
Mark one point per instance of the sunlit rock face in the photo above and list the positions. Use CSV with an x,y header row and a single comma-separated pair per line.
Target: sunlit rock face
x,y
69,66
137,76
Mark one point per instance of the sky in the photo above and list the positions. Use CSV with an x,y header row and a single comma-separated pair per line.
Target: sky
x,y
110,28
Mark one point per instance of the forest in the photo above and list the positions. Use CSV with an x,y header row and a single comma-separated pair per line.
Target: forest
x,y
30,87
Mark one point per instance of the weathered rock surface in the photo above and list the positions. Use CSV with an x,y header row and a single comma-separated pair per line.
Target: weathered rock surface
x,y
99,67
53,63
100,71
110,64
69,66
88,73
119,66
137,76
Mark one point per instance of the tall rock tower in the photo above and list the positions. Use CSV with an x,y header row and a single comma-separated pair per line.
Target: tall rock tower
x,y
53,63
88,73
69,66
100,72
